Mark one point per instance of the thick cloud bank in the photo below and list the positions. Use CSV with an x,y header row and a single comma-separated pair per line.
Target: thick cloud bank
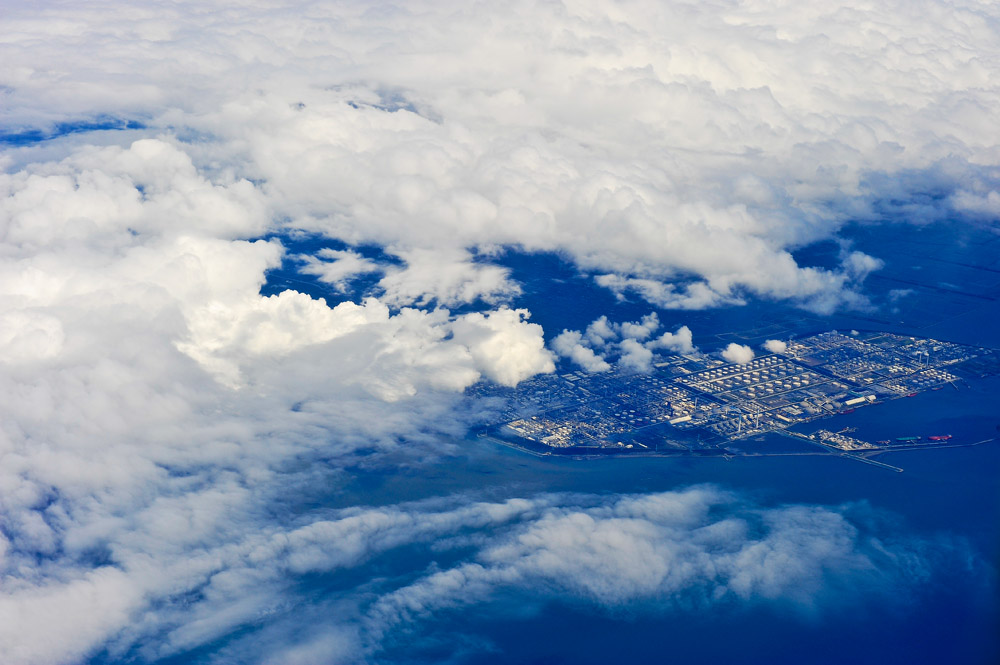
x,y
153,399
680,150
165,428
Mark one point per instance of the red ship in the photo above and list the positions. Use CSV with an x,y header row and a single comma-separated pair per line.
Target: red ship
x,y
940,437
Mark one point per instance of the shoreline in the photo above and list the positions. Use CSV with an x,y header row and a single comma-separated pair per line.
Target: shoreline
x,y
823,450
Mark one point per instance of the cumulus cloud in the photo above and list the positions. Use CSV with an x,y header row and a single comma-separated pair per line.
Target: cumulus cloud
x,y
155,408
699,548
569,344
601,331
26,336
986,204
776,346
738,353
642,329
503,345
680,341
635,356
628,341
155,386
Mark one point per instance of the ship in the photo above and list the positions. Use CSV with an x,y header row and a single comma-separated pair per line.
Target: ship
x,y
907,439
940,437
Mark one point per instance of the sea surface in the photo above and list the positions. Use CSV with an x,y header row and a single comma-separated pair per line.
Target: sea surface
x,y
939,280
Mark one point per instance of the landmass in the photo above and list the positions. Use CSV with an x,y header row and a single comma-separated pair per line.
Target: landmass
x,y
700,405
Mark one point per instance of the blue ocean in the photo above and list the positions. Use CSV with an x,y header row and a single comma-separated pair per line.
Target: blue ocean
x,y
935,284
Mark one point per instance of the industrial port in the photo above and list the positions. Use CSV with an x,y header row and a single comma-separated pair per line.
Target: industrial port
x,y
701,405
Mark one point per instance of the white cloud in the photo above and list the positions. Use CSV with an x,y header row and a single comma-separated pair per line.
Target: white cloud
x,y
448,277
87,610
26,336
697,295
130,325
858,265
714,180
634,349
569,344
738,353
337,266
635,356
679,341
642,329
987,204
600,332
154,404
775,346
690,548
503,345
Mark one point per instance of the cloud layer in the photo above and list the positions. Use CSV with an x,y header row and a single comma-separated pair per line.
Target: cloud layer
x,y
161,420
682,150
695,549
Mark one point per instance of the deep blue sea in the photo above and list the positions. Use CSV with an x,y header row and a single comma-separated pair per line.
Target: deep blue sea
x,y
942,494
939,280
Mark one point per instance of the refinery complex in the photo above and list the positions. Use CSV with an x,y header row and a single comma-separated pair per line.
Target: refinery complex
x,y
701,405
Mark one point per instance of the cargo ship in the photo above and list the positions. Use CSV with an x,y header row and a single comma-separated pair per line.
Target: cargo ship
x,y
940,437
907,439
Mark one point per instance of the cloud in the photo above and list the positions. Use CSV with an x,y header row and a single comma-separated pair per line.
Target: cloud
x,y
166,429
503,345
336,267
635,356
680,341
569,344
715,181
161,400
738,353
775,346
697,548
986,204
448,277
29,336
693,548
88,610
600,331
634,348
640,330
697,295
